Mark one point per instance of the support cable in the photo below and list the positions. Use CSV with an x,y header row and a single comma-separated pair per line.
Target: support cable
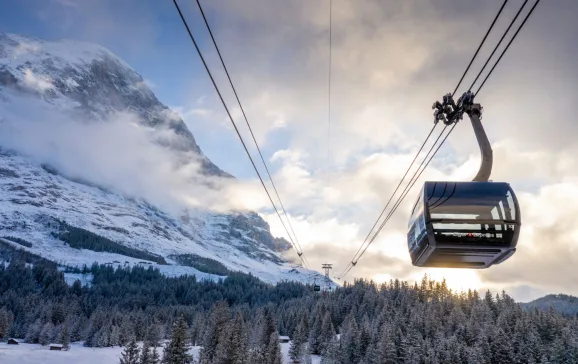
x,y
329,90
233,122
479,47
498,45
247,122
393,194
507,46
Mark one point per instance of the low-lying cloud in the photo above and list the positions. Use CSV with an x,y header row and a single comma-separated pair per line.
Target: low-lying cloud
x,y
121,154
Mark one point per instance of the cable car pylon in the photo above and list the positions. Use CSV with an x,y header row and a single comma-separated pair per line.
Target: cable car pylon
x,y
327,267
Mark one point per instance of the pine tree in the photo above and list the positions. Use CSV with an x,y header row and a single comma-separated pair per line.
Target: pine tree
x,y
3,325
47,333
33,332
232,346
65,336
386,347
305,356
5,322
268,327
326,334
130,353
126,330
155,356
176,350
315,333
220,315
297,347
332,354
274,349
145,354
501,348
350,341
153,335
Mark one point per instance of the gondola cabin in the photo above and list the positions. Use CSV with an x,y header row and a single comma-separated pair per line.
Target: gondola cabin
x,y
463,225
317,288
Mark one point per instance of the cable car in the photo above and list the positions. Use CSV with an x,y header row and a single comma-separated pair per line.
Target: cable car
x,y
464,224
316,287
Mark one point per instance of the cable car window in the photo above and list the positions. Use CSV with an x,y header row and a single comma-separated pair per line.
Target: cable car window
x,y
457,226
416,212
512,206
501,203
494,213
472,202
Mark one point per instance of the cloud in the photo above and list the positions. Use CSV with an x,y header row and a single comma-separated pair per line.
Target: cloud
x,y
146,84
37,82
119,153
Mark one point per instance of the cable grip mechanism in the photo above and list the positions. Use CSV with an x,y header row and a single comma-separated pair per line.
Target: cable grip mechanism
x,y
451,112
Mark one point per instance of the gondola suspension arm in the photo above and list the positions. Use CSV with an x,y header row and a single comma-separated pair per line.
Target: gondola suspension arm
x,y
451,112
475,113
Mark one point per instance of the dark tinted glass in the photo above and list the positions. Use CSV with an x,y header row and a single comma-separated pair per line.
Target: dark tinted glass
x,y
470,200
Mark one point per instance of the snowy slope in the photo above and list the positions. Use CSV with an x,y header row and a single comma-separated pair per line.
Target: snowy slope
x,y
35,353
87,82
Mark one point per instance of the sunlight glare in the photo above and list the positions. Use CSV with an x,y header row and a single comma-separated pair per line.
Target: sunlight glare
x,y
456,279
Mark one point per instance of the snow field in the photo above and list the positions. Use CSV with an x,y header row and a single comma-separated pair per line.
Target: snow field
x,y
78,354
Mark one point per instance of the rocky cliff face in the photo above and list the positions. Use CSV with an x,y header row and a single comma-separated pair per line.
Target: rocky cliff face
x,y
89,81
45,208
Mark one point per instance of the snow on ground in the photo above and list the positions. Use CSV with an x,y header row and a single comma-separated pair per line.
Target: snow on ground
x,y
85,279
127,221
78,354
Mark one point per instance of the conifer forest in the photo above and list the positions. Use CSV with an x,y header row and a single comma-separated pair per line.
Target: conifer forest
x,y
239,319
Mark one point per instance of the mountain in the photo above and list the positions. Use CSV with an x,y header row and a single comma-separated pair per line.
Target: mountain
x,y
72,213
562,303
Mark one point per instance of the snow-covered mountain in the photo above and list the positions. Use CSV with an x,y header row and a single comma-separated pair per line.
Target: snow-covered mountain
x,y
61,214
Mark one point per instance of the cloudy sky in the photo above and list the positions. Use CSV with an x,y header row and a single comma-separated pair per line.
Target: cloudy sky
x,y
391,60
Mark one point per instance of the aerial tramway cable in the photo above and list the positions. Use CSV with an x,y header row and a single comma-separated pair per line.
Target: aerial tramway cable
x,y
329,90
479,47
498,45
354,261
248,125
235,127
508,45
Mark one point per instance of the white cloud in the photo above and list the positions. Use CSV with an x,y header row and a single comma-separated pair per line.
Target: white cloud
x,y
119,153
36,82
24,48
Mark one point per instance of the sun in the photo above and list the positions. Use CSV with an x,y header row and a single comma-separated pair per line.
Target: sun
x,y
456,279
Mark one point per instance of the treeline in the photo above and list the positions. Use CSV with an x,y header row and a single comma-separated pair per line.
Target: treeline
x,y
562,303
83,239
202,264
18,241
363,323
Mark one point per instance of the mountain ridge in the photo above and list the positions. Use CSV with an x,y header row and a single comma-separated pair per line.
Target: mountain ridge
x,y
563,303
41,84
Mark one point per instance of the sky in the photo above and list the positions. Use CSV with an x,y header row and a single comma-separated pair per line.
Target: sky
x,y
390,62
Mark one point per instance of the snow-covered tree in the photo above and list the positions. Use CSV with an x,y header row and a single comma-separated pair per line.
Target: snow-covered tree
x,y
130,353
177,349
